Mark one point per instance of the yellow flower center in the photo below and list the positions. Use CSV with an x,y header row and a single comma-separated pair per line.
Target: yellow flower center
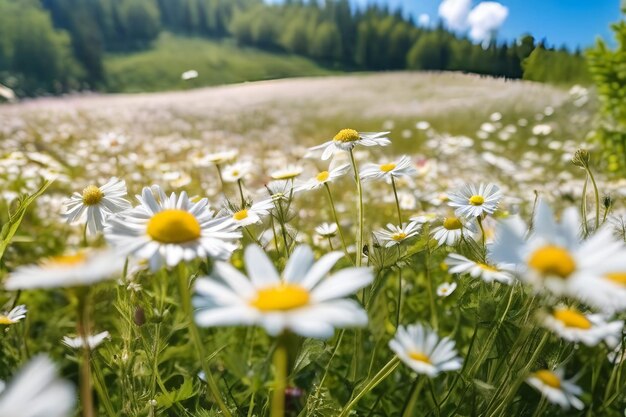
x,y
452,223
322,176
398,236
5,320
617,277
174,226
235,173
347,135
240,215
549,378
486,267
282,297
387,167
552,260
65,260
476,200
419,356
92,195
572,318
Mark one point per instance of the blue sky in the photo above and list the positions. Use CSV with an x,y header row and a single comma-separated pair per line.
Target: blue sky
x,y
571,22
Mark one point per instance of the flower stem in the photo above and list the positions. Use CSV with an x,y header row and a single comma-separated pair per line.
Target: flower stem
x,y
219,175
83,324
196,340
280,378
597,197
377,379
243,199
409,405
359,207
479,219
395,194
332,206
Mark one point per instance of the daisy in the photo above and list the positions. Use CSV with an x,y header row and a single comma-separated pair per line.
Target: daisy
x,y
451,231
289,173
459,264
472,201
305,300
37,391
252,214
171,230
97,204
420,348
70,270
323,177
13,316
218,158
280,190
326,230
401,168
557,390
445,289
554,258
92,341
424,218
590,329
112,142
236,171
397,234
347,139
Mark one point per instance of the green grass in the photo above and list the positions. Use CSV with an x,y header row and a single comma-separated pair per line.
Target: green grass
x,y
217,62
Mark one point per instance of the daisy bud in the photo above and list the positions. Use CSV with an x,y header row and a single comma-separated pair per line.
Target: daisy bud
x,y
139,317
581,158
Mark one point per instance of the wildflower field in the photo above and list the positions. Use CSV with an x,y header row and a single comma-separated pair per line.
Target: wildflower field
x,y
399,244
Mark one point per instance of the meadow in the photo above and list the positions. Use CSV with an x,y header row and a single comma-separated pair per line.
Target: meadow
x,y
465,283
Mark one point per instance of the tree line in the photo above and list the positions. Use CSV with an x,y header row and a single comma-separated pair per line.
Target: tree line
x,y
52,46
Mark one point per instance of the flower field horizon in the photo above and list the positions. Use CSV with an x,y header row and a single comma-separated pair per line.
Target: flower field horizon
x,y
392,244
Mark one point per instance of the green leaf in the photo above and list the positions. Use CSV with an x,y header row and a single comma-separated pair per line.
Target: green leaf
x,y
15,218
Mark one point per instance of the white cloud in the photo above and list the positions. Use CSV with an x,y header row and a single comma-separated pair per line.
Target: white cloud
x,y
485,19
454,13
423,20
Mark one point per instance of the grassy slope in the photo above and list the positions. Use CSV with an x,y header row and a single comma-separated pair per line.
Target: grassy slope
x,y
217,62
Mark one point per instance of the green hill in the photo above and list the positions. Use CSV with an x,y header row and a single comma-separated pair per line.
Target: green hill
x,y
217,62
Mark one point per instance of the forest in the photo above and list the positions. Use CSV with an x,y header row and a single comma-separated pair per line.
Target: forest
x,y
57,46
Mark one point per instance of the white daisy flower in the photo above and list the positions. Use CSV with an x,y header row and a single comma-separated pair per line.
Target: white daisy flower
x,y
326,230
451,231
16,314
420,348
37,391
556,389
323,177
590,329
97,204
424,218
112,142
71,270
459,264
554,258
304,300
93,341
252,214
404,167
236,171
397,234
288,173
445,289
471,201
217,158
347,139
280,190
171,230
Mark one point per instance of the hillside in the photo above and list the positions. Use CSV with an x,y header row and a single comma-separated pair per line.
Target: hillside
x,y
217,62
